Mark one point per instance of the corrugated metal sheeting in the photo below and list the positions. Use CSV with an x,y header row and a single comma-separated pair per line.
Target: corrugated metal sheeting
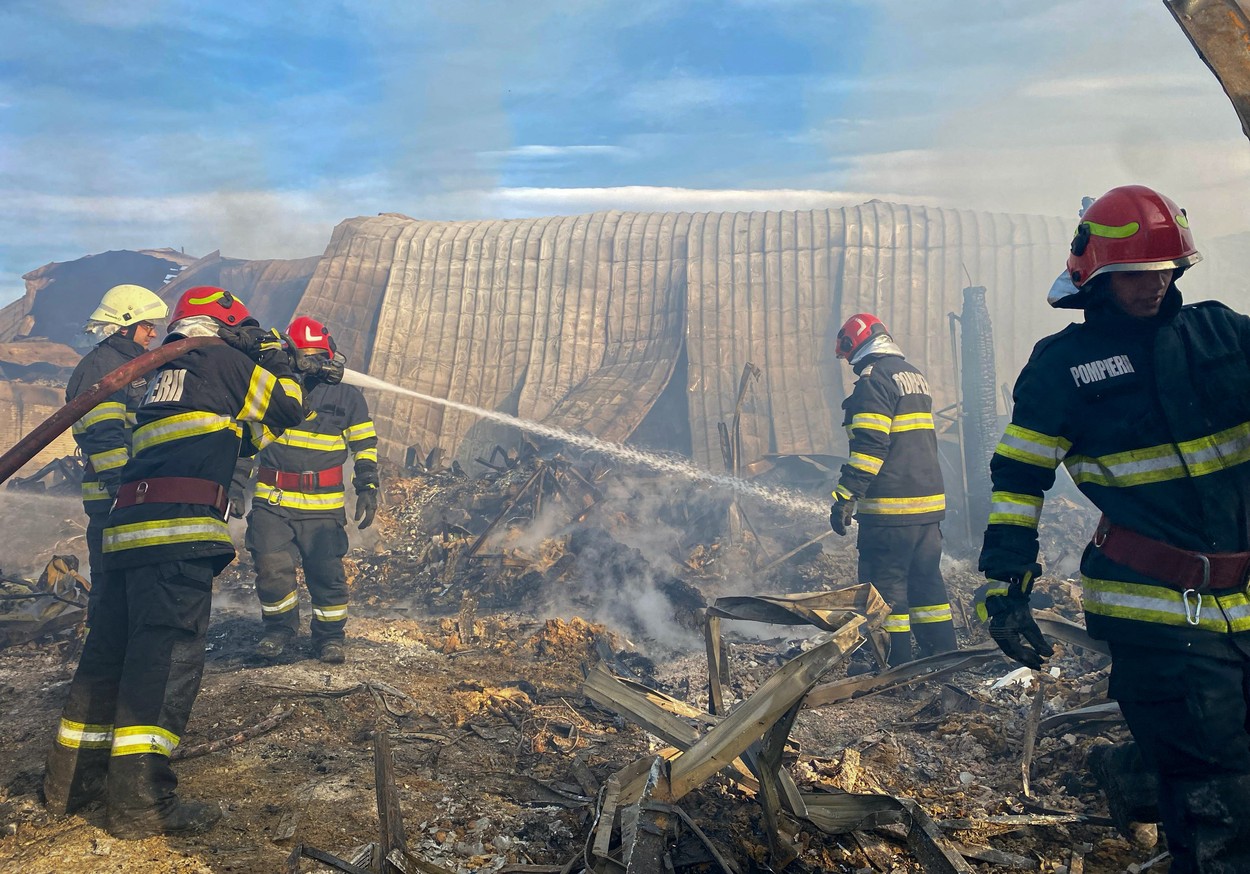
x,y
579,322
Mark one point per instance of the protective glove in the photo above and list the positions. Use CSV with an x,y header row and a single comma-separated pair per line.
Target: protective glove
x,y
332,368
316,367
366,506
252,340
1011,621
840,515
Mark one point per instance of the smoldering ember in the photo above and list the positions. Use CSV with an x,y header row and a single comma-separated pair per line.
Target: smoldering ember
x,y
601,621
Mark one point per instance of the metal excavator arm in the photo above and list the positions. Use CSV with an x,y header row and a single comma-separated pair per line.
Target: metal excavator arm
x,y
1220,33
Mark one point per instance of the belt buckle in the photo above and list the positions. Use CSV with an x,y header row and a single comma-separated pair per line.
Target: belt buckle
x,y
307,480
141,492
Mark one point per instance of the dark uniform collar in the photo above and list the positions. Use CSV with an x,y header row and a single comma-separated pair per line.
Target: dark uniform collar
x,y
124,345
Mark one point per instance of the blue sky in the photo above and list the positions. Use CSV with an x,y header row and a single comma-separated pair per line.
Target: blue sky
x,y
255,128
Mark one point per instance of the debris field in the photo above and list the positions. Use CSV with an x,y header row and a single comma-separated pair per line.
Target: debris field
x,y
559,665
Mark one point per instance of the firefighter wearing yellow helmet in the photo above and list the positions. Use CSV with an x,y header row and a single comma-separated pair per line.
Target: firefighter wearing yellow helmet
x,y
127,317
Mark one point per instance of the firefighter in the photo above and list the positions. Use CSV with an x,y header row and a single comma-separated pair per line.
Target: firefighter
x,y
164,541
893,486
126,317
1147,404
298,513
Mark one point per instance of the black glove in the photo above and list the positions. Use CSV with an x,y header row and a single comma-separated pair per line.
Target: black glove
x,y
1011,621
366,507
316,367
840,515
252,340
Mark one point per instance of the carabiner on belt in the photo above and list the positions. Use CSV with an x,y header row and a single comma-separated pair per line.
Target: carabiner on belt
x,y
1193,612
275,497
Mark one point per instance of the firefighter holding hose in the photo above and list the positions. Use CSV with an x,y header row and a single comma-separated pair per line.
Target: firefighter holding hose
x,y
298,510
893,486
127,317
164,542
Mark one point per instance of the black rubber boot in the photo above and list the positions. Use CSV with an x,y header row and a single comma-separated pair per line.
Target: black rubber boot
x,y
68,789
1207,829
180,818
332,652
1131,789
274,641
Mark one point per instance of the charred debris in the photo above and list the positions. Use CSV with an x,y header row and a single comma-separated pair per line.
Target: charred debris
x,y
716,727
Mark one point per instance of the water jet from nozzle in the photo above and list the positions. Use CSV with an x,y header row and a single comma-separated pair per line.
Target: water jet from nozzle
x,y
778,497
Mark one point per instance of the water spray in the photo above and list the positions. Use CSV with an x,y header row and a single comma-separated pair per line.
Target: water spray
x,y
779,497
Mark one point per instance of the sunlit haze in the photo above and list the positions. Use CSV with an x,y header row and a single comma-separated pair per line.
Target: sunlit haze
x,y
255,128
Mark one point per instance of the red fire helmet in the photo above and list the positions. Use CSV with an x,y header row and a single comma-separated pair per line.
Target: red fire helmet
x,y
308,333
208,300
1131,228
858,330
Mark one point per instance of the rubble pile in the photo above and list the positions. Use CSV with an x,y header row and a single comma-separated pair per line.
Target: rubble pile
x,y
558,667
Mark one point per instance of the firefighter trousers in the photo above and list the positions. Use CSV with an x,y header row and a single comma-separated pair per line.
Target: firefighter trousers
x,y
277,542
131,696
95,555
904,564
1190,716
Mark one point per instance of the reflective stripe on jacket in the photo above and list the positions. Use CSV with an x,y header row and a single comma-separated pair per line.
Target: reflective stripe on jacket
x,y
201,412
103,433
893,472
1152,421
337,424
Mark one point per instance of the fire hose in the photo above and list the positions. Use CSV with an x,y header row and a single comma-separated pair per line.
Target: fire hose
x,y
48,430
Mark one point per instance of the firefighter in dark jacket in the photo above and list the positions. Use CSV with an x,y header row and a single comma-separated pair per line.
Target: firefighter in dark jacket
x,y
126,316
298,510
893,486
1147,404
165,540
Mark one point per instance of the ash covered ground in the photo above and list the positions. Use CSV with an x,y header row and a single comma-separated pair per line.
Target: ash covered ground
x,y
478,603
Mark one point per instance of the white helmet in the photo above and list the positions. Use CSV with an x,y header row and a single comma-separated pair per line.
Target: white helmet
x,y
126,305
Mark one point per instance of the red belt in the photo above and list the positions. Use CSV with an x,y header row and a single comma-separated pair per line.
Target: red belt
x,y
1179,568
302,482
174,490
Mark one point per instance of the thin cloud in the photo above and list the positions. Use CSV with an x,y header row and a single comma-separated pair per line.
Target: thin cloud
x,y
571,151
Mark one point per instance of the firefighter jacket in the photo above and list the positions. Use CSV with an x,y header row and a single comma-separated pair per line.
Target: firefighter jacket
x,y
893,473
201,412
103,433
1151,418
338,423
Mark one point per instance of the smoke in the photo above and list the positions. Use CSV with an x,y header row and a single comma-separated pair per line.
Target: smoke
x,y
36,527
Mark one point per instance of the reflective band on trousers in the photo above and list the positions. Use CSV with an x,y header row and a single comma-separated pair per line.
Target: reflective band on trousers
x,y
1152,464
78,735
135,740
299,500
934,613
901,506
1165,606
334,613
286,605
897,623
1012,508
1032,447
